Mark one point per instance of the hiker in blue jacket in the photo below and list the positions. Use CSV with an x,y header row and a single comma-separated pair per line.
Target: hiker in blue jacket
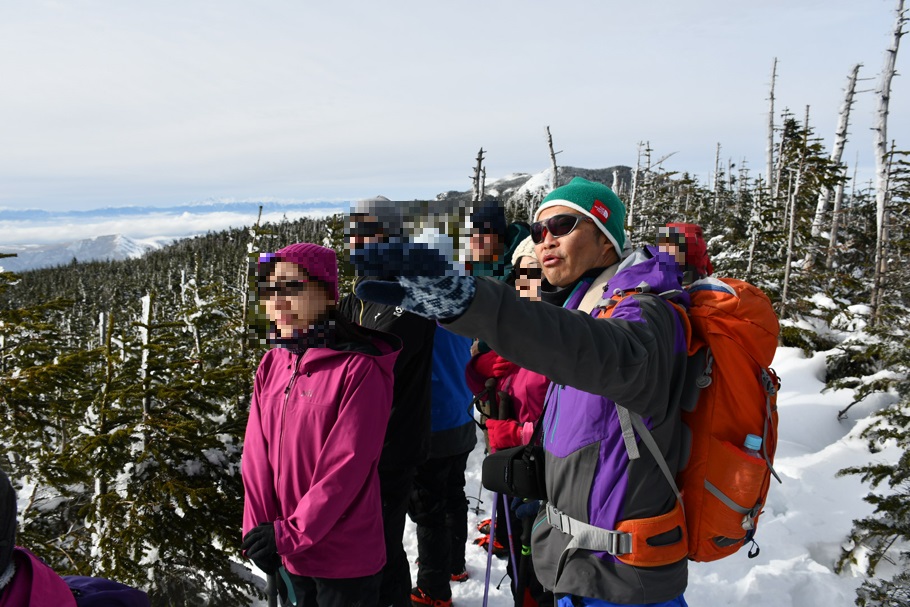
x,y
592,544
438,503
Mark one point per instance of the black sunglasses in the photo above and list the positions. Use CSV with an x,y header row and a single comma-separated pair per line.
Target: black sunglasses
x,y
289,288
531,273
364,229
557,225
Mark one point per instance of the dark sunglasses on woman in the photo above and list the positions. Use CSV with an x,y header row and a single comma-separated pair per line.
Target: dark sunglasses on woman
x,y
289,288
557,225
531,273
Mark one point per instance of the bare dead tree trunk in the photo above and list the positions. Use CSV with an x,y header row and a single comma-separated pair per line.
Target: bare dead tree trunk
x,y
835,221
632,198
837,152
790,243
483,182
849,210
770,150
881,266
716,178
881,158
778,172
755,222
145,330
243,285
477,186
555,182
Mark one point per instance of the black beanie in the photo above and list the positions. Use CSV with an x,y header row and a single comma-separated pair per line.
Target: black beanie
x,y
7,521
490,219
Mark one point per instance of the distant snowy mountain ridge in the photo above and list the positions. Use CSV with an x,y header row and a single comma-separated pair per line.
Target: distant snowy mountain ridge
x,y
42,238
110,247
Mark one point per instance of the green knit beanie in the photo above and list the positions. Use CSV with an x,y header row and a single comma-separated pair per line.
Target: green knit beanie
x,y
595,200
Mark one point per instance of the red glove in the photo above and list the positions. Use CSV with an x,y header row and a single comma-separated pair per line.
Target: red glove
x,y
503,367
505,433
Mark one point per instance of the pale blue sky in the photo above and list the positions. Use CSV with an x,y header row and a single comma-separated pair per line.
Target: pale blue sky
x,y
168,102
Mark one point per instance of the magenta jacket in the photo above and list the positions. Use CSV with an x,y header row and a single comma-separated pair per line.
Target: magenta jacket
x,y
34,584
310,456
527,388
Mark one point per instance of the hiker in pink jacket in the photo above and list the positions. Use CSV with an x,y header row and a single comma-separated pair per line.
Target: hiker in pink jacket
x,y
321,402
32,583
526,390
24,579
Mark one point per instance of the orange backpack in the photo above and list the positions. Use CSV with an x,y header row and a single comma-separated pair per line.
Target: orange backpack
x,y
722,489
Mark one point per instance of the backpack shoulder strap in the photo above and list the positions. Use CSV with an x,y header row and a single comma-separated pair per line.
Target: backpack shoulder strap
x,y
629,420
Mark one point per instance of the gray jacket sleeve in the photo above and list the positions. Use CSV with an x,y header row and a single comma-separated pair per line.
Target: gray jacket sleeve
x,y
627,361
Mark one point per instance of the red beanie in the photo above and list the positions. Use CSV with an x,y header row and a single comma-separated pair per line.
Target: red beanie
x,y
696,248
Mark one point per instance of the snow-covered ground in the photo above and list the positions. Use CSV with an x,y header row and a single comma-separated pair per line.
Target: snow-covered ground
x,y
806,520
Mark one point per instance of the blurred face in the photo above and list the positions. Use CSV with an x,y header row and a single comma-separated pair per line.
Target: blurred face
x,y
672,243
528,278
565,258
485,247
364,229
292,300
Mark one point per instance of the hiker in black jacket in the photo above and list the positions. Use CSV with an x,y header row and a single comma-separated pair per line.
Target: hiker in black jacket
x,y
408,433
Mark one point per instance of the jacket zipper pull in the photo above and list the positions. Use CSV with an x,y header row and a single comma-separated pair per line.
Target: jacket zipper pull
x,y
287,389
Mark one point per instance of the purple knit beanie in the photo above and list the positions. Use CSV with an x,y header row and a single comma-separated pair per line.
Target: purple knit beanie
x,y
319,262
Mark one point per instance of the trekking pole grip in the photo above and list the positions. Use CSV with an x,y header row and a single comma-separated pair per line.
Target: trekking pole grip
x,y
505,406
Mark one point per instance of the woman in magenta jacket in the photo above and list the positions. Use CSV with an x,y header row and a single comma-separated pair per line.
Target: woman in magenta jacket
x,y
321,402
526,389
25,580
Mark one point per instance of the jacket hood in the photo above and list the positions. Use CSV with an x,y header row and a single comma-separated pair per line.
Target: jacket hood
x,y
697,261
649,270
386,211
387,345
443,243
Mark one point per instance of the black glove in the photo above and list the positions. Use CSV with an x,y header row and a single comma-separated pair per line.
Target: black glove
x,y
259,546
425,283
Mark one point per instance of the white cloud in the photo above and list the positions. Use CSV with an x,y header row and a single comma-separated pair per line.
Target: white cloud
x,y
152,225
174,101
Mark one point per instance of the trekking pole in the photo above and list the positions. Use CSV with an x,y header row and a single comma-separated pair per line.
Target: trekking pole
x,y
486,581
482,410
477,501
506,509
271,589
505,413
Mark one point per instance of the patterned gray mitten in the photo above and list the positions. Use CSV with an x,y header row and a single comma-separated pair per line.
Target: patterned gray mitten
x,y
434,297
